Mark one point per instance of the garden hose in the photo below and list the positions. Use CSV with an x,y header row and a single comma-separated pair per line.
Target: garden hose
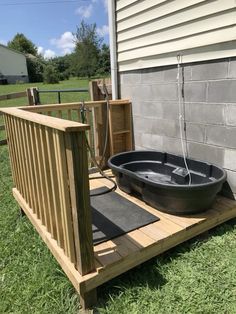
x,y
103,175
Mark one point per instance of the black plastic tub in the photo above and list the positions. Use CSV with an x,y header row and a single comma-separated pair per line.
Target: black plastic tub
x,y
163,182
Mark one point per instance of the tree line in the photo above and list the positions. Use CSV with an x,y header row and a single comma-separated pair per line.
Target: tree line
x,y
90,57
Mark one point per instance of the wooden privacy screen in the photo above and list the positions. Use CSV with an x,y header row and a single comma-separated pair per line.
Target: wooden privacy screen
x,y
95,114
46,154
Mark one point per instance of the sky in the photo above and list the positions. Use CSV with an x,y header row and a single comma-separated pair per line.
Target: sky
x,y
50,24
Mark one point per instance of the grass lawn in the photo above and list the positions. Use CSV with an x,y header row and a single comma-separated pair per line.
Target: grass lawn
x,y
198,276
48,98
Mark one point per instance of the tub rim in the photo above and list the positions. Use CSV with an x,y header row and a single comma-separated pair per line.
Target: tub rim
x,y
182,187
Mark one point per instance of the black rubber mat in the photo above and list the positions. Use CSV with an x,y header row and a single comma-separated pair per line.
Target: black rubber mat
x,y
113,215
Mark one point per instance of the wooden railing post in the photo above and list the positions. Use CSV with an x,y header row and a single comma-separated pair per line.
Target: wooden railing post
x,y
29,97
77,163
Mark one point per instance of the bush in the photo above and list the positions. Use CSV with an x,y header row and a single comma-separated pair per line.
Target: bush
x,y
35,70
50,75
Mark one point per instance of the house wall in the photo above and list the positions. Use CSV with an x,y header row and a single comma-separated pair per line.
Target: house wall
x,y
210,110
13,65
150,33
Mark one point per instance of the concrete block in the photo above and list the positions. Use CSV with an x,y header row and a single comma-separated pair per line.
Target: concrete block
x,y
207,153
195,132
231,179
152,109
170,110
126,91
232,68
136,107
230,159
217,69
166,91
137,138
149,76
221,136
222,91
152,141
204,113
165,127
172,145
130,78
195,91
170,73
142,124
230,115
139,147
142,93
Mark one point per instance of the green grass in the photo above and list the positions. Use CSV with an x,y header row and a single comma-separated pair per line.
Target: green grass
x,y
198,276
48,98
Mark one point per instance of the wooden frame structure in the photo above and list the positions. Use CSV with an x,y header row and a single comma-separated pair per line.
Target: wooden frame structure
x,y
51,184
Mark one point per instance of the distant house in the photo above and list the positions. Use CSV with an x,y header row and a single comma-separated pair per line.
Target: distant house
x,y
12,65
146,38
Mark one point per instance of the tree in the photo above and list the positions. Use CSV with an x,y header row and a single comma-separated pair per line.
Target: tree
x,y
62,65
87,49
23,44
104,66
35,68
50,75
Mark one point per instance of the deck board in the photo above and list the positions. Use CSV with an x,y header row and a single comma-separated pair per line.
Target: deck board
x,y
126,251
120,254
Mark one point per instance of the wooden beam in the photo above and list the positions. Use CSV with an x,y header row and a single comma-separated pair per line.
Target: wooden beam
x,y
52,122
13,95
68,267
72,105
77,163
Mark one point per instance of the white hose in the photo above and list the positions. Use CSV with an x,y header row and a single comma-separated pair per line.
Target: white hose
x,y
181,118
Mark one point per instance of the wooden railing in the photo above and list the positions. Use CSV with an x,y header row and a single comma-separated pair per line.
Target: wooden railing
x,y
49,166
30,93
96,115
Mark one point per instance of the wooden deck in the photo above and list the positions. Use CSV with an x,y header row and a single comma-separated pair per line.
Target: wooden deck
x,y
118,255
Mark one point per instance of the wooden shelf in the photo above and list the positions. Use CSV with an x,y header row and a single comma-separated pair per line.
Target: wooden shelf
x,y
120,127
121,132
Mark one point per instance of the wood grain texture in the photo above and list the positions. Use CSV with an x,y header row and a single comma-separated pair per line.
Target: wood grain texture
x,y
55,123
77,164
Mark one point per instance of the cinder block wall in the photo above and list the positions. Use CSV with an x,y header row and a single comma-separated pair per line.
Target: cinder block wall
x,y
210,110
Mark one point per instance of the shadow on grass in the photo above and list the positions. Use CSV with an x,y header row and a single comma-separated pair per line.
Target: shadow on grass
x,y
147,274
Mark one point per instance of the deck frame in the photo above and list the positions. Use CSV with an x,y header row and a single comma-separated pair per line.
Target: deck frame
x,y
223,210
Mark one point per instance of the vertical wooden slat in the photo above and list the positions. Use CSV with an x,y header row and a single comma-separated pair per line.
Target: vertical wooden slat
x,y
23,159
12,152
38,174
30,165
59,114
48,185
26,162
42,184
78,115
111,130
65,200
56,134
38,199
77,163
69,114
49,113
19,155
55,190
95,131
128,124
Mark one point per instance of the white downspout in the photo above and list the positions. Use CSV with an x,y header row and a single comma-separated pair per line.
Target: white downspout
x,y
113,51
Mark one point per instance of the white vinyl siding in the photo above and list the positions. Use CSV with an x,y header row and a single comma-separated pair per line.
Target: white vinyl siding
x,y
12,63
152,33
